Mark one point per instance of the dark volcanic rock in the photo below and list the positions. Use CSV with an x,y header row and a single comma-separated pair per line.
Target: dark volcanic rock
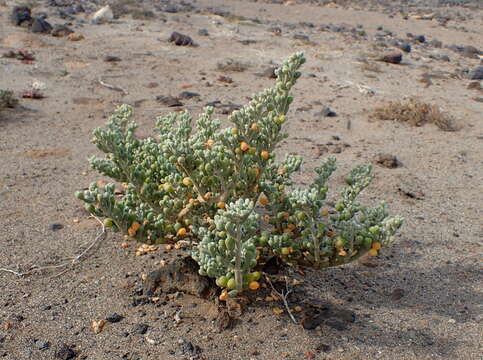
x,y
181,275
392,58
406,47
140,329
64,352
114,318
61,30
476,73
40,25
180,39
387,160
21,14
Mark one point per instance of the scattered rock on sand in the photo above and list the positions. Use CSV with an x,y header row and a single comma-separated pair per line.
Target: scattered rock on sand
x,y
40,25
180,39
103,15
476,73
21,14
61,30
387,160
140,329
180,275
392,58
114,318
64,352
75,37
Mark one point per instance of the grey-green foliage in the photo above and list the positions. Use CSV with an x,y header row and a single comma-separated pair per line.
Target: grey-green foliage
x,y
229,249
198,180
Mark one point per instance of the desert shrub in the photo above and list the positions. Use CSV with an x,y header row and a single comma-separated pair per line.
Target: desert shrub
x,y
415,113
7,99
223,189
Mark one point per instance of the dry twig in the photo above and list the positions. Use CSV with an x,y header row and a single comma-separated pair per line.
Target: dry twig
x,y
71,261
283,295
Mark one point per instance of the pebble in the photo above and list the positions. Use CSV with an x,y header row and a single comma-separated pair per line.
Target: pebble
x,y
392,58
114,318
140,329
476,73
21,14
42,345
61,30
110,58
64,352
180,39
387,160
55,227
203,32
41,26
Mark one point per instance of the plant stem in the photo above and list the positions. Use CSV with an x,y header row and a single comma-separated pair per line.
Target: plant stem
x,y
238,272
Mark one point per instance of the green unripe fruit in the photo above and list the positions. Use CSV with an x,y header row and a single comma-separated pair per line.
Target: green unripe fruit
x,y
367,243
231,284
233,294
234,131
285,251
252,151
339,207
340,242
222,281
374,229
108,222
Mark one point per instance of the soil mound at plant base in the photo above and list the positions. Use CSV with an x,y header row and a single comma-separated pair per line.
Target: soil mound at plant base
x,y
181,275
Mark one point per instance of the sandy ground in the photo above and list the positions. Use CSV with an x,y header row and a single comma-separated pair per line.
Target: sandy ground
x,y
420,300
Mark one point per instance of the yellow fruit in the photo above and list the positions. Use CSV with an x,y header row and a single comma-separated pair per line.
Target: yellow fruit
x,y
373,252
244,146
181,232
265,155
266,218
134,228
254,285
224,295
324,212
187,181
255,127
376,245
263,200
209,143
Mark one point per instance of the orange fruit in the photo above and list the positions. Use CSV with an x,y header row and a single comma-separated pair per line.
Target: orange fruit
x,y
181,232
265,155
373,252
209,143
263,200
254,285
221,205
244,146
376,246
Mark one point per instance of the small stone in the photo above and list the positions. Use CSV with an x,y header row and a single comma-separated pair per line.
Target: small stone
x,y
169,101
75,37
21,14
203,32
392,58
41,26
301,37
435,43
474,85
188,95
397,294
476,73
323,348
114,318
420,38
61,30
110,58
64,352
55,227
406,47
140,329
42,345
326,112
180,39
387,160
186,347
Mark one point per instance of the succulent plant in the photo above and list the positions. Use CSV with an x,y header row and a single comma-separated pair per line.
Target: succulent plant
x,y
212,184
